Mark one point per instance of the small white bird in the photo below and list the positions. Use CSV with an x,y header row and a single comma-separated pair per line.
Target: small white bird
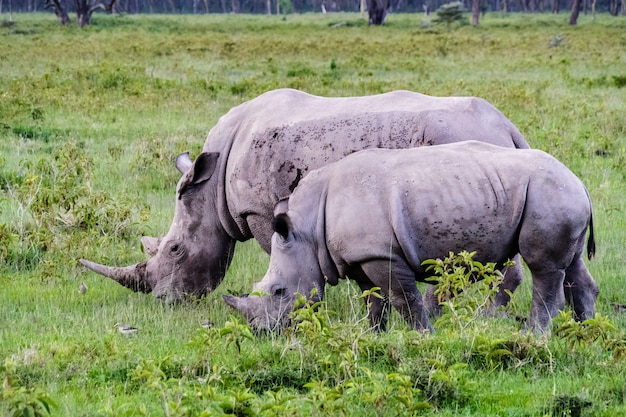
x,y
82,288
206,324
124,329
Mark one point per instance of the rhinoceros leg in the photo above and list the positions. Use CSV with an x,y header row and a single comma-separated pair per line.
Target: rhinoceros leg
x,y
581,290
400,289
548,297
513,276
261,229
377,308
431,303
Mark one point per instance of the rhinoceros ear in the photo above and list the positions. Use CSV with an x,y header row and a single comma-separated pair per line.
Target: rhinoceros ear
x,y
282,224
183,162
200,171
203,167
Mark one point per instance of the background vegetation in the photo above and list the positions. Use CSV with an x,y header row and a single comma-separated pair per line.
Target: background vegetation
x,y
90,123
614,7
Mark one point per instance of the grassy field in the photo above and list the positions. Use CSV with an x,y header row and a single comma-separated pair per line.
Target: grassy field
x,y
91,121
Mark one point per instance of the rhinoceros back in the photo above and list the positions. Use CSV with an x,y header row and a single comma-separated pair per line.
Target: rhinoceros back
x,y
273,141
428,201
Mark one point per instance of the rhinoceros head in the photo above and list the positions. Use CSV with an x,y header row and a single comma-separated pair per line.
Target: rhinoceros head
x,y
294,268
193,257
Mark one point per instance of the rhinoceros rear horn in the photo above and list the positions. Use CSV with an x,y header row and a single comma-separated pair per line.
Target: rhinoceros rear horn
x,y
240,304
183,162
133,277
150,244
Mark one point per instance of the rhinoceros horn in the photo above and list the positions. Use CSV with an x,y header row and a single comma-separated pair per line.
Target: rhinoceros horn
x,y
183,162
151,244
133,277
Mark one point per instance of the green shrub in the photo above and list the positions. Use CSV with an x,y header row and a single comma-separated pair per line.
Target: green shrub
x,y
449,13
465,288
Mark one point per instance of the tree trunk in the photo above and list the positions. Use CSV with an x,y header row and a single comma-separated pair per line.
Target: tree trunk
x,y
268,6
235,6
573,19
613,7
377,10
593,9
84,10
59,11
556,6
83,17
522,5
475,12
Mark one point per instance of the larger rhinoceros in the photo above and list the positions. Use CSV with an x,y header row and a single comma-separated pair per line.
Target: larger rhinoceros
x,y
375,216
258,152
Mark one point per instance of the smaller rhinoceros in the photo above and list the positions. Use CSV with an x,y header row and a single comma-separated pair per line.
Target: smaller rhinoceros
x,y
376,215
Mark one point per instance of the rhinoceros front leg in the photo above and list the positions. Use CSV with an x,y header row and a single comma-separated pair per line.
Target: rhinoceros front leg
x,y
377,307
581,290
397,282
261,229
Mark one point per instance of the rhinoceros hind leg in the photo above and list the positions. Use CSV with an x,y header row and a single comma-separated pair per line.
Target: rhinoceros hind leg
x,y
548,298
581,290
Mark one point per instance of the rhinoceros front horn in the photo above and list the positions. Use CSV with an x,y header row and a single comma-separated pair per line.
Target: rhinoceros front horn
x,y
133,277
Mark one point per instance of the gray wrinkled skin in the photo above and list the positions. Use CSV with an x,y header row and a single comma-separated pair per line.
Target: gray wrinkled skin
x,y
262,148
376,215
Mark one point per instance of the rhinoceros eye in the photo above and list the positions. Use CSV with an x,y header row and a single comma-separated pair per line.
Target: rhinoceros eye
x,y
177,251
280,292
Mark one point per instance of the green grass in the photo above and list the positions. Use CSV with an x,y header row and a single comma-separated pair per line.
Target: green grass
x,y
120,98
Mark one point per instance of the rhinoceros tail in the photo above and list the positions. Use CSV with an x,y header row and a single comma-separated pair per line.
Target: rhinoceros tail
x,y
591,241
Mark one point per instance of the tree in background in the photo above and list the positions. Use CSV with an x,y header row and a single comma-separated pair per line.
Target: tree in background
x,y
475,12
573,18
84,10
449,13
59,11
377,10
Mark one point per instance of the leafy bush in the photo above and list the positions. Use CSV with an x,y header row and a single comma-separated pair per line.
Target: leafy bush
x,y
58,207
465,288
21,401
449,13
